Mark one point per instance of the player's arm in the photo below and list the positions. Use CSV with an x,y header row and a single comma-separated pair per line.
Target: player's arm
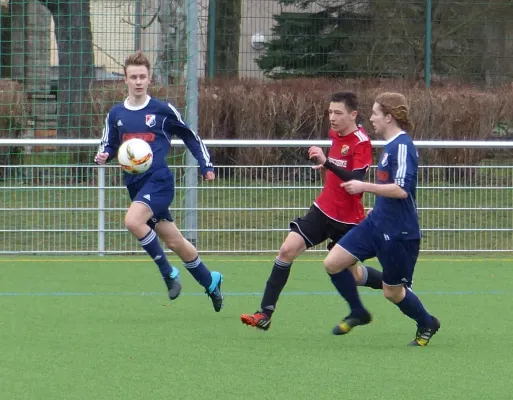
x,y
362,158
403,168
345,174
323,174
317,156
176,126
386,190
109,143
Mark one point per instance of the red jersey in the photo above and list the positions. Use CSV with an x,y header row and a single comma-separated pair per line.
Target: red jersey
x,y
351,152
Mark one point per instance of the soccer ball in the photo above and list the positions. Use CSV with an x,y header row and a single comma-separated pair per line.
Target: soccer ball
x,y
135,156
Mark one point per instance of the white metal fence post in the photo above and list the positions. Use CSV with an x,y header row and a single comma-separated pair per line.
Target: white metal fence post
x,y
101,210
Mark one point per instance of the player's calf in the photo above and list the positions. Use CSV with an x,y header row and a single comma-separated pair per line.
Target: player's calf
x,y
371,278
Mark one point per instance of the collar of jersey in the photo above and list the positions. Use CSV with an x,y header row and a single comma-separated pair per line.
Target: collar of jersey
x,y
395,137
132,108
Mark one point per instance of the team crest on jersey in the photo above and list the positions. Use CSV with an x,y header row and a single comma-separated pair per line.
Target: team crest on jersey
x,y
384,160
345,150
151,120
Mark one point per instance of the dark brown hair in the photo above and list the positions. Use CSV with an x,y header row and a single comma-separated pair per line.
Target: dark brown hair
x,y
348,98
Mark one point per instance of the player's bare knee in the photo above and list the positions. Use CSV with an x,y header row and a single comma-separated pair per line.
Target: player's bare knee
x,y
289,251
393,294
337,260
357,272
332,265
132,224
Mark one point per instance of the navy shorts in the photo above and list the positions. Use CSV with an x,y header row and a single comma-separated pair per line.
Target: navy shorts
x,y
157,192
397,256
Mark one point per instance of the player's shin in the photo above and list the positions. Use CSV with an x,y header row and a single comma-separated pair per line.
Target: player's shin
x,y
371,278
199,272
274,286
211,281
345,284
150,243
412,307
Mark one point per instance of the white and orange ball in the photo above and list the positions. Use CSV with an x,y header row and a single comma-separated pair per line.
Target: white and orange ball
x,y
135,156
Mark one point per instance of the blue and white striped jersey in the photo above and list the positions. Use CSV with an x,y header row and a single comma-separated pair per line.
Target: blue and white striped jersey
x,y
398,164
155,122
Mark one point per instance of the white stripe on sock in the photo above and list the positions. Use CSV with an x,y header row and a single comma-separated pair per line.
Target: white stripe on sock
x,y
148,238
192,264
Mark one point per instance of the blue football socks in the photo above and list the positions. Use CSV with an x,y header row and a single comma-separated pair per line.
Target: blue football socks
x,y
345,284
199,271
412,307
151,244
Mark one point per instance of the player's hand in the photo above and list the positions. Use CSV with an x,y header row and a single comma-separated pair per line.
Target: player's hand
x,y
101,158
354,186
209,176
317,155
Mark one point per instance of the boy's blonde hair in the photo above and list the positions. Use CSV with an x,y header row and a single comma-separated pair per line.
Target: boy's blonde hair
x,y
137,58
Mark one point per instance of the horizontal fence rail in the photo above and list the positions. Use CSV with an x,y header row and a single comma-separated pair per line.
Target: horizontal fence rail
x,y
421,144
79,208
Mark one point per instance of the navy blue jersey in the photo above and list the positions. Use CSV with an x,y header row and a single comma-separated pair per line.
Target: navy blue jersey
x,y
397,218
155,122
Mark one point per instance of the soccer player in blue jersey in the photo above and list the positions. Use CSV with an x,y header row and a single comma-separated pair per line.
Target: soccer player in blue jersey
x,y
152,192
391,231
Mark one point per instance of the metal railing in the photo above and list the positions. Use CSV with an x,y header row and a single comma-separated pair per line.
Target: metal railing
x,y
54,209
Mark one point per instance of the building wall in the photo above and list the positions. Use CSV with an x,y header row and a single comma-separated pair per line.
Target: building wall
x,y
113,32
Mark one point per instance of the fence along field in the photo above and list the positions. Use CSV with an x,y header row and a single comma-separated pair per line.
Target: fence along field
x,y
69,208
50,89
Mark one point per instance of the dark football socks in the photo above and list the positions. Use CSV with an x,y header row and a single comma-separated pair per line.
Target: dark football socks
x,y
275,284
345,284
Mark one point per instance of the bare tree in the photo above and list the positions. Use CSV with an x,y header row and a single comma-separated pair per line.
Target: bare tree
x,y
76,65
469,39
172,51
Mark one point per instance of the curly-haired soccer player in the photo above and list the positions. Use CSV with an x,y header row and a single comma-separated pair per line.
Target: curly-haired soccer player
x,y
391,232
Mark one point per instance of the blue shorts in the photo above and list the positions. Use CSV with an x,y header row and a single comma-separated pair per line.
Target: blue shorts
x,y
396,255
157,192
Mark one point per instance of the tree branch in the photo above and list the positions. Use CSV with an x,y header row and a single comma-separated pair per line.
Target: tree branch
x,y
108,55
152,20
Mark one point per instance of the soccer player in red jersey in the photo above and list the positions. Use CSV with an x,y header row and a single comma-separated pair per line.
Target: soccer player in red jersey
x,y
334,213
